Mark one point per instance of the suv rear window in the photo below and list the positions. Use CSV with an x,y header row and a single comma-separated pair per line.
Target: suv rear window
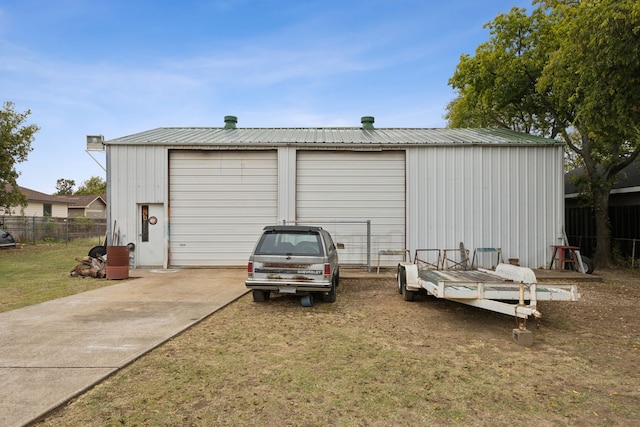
x,y
290,243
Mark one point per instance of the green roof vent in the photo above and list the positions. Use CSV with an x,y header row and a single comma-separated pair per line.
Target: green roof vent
x,y
367,122
230,122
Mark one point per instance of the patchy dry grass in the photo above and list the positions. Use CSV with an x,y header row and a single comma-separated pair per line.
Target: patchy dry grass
x,y
31,274
373,359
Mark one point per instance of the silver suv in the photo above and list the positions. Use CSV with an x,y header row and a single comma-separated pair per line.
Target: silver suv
x,y
294,259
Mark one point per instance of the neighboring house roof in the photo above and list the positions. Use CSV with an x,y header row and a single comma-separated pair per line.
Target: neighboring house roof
x,y
73,201
326,136
628,180
36,196
83,201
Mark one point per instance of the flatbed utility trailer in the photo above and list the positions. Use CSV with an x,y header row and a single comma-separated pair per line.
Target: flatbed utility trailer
x,y
509,289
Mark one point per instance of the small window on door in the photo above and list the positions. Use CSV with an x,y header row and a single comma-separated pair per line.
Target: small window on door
x,y
144,217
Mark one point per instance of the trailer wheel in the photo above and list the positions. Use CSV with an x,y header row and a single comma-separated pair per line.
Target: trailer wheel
x,y
400,277
407,295
402,283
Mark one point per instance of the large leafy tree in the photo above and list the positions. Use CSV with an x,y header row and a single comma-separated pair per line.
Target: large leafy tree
x,y
15,145
64,187
570,69
94,185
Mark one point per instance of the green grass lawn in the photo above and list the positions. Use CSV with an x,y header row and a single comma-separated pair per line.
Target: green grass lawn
x,y
31,274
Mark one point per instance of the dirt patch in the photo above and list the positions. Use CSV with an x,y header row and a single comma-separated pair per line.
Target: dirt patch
x,y
372,358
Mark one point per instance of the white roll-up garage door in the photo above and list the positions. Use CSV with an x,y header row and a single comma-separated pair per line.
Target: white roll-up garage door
x,y
219,203
339,186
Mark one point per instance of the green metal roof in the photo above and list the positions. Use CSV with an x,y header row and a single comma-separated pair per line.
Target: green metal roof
x,y
326,136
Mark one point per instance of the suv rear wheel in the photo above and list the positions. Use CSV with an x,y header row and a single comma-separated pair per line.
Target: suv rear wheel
x,y
331,296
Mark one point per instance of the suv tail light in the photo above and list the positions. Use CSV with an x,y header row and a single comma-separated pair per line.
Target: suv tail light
x,y
250,267
327,269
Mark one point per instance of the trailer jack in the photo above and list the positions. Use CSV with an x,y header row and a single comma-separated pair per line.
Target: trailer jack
x,y
521,335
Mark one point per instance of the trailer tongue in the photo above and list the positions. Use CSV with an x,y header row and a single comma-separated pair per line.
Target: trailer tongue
x,y
508,289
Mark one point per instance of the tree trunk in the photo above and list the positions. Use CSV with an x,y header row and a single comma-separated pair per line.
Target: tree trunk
x,y
602,257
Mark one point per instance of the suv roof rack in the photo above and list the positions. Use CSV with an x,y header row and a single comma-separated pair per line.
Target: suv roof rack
x,y
291,228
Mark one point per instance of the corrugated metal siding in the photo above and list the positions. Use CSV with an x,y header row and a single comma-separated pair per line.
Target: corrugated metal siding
x,y
486,197
135,174
220,202
484,193
286,183
326,136
352,185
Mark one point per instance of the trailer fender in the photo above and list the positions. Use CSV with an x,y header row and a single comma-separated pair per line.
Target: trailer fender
x,y
411,275
516,273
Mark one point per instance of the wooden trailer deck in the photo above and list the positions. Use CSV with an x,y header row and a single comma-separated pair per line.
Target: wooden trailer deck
x,y
484,284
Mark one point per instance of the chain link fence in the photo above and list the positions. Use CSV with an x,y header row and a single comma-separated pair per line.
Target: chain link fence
x,y
34,230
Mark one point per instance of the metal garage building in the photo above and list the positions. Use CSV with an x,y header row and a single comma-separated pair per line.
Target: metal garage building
x,y
201,196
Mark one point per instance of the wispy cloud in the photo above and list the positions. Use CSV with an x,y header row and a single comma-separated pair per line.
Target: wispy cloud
x,y
116,67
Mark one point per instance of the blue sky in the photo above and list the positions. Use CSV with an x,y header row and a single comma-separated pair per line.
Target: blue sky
x,y
117,67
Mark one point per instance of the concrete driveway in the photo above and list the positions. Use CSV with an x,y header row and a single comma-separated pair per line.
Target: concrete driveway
x,y
53,351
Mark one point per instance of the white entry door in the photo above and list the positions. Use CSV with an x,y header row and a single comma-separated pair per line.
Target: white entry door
x,y
151,236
